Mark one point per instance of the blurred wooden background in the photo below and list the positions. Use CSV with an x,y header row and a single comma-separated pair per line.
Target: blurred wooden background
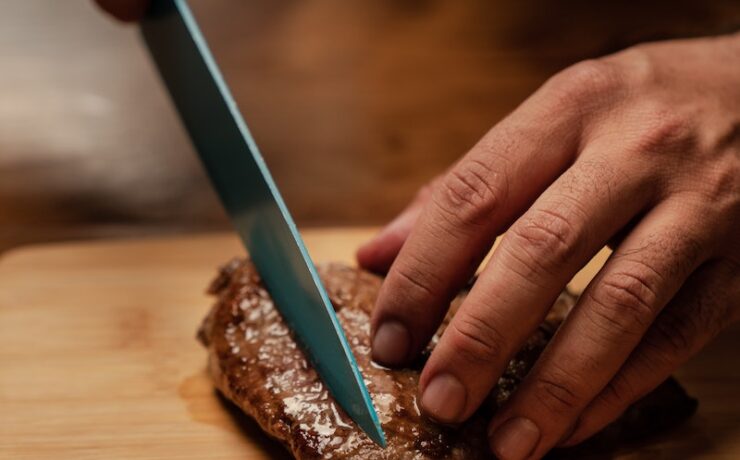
x,y
354,104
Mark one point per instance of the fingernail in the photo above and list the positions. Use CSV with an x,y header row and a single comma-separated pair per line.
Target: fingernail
x,y
515,439
444,398
391,343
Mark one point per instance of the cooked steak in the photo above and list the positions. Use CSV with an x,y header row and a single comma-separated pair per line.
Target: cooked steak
x,y
256,364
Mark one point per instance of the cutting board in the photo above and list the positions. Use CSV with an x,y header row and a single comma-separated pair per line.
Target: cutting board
x,y
98,357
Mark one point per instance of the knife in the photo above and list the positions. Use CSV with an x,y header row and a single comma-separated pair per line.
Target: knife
x,y
252,200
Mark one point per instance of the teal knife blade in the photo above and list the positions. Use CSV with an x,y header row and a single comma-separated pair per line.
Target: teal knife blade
x,y
252,200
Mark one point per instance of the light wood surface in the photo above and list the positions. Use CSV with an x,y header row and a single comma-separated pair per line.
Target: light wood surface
x,y
98,357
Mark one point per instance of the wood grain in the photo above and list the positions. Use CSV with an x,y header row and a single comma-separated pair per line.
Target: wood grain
x,y
98,357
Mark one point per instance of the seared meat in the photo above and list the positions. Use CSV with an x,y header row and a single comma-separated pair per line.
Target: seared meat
x,y
256,364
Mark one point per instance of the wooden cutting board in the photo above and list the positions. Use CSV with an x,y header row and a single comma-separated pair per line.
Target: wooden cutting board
x,y
98,357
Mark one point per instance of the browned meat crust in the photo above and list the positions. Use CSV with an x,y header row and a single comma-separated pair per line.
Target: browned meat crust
x,y
256,364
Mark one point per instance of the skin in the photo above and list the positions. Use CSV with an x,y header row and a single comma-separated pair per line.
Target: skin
x,y
640,149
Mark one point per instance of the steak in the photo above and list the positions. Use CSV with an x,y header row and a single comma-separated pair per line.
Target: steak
x,y
256,364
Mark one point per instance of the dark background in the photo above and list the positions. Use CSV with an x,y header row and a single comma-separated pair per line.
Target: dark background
x,y
355,104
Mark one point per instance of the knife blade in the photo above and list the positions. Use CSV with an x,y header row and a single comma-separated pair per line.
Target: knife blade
x,y
253,202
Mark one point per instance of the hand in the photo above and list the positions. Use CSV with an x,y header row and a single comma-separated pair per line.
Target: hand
x,y
641,148
125,10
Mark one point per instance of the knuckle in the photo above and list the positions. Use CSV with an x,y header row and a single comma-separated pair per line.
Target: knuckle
x,y
640,63
550,235
587,79
556,393
475,339
521,261
469,193
415,282
665,130
628,299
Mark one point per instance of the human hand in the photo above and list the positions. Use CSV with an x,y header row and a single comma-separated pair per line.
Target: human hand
x,y
640,149
125,10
